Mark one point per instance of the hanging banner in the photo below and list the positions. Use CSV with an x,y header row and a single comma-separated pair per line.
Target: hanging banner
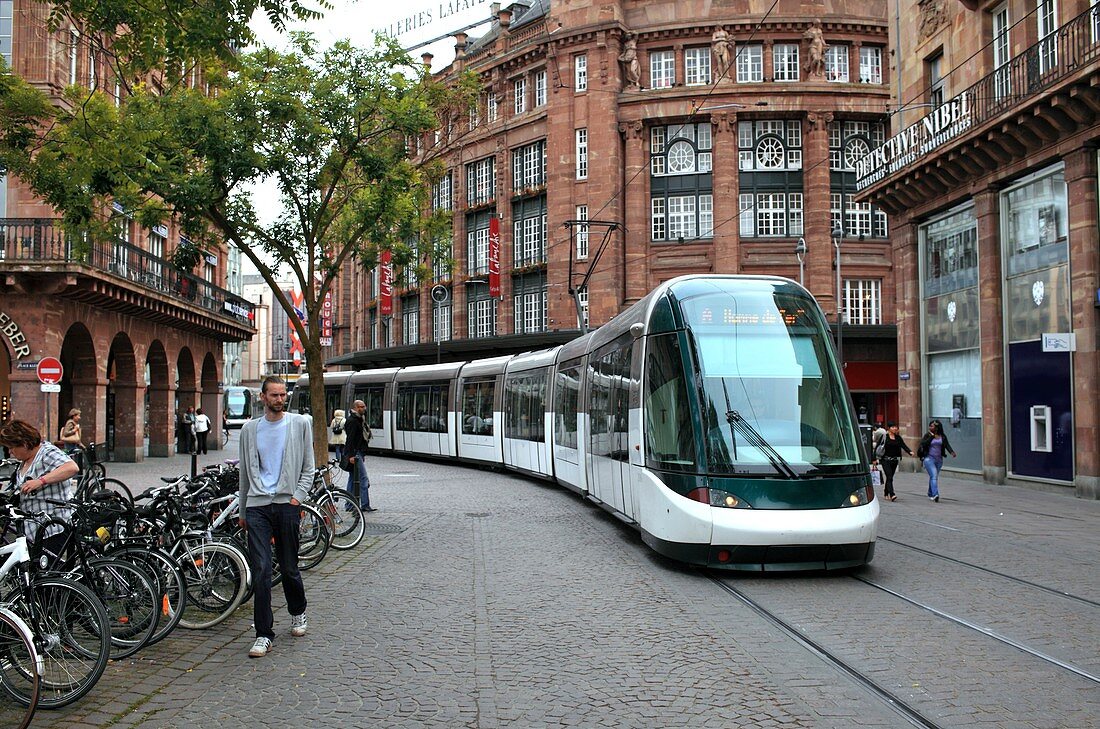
x,y
326,320
297,300
494,256
385,284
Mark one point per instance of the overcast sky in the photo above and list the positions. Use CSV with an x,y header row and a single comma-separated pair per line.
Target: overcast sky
x,y
357,20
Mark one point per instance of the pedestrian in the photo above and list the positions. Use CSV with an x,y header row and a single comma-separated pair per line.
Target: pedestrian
x,y
276,474
44,478
189,429
359,436
931,449
202,430
70,434
889,454
336,435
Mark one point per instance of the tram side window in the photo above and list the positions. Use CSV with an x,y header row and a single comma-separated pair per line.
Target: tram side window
x,y
599,405
333,397
669,434
620,400
372,398
525,399
477,407
566,398
422,408
299,399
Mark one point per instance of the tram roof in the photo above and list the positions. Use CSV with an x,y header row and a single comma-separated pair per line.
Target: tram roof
x,y
457,350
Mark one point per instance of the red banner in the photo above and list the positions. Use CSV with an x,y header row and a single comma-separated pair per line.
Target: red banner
x,y
494,256
385,283
326,320
296,351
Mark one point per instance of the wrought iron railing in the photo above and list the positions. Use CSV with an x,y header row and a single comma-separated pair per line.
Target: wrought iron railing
x,y
1053,59
42,240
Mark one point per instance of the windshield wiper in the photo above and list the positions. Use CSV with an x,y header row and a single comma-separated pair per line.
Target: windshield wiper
x,y
757,441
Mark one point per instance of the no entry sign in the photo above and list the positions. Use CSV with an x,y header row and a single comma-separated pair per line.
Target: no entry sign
x,y
50,371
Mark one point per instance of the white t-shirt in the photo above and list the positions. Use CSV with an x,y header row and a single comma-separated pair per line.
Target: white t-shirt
x,y
202,423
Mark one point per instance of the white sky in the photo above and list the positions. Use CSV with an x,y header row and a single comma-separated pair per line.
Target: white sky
x,y
357,21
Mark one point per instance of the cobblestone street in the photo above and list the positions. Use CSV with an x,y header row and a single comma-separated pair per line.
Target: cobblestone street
x,y
483,599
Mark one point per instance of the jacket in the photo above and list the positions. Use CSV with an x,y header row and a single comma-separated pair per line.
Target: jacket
x,y
926,442
296,476
338,419
358,434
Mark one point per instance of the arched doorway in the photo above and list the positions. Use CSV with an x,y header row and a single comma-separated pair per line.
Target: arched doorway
x,y
124,418
80,387
158,401
211,400
186,393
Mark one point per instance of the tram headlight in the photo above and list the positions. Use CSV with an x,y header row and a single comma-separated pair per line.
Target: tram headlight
x,y
860,497
716,497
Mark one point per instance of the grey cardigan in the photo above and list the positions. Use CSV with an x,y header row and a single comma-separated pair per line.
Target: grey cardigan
x,y
296,477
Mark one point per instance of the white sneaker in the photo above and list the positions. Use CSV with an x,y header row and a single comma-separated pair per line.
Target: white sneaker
x,y
260,648
298,625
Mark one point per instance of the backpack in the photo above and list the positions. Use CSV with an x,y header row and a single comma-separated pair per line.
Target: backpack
x,y
338,428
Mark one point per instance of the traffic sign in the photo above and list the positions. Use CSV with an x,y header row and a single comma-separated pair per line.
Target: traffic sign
x,y
50,371
50,388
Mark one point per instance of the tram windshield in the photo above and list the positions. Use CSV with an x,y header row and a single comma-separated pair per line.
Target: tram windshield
x,y
772,403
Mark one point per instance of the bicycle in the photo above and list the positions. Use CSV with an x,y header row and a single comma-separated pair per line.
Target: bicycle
x,y
225,436
339,508
68,622
17,646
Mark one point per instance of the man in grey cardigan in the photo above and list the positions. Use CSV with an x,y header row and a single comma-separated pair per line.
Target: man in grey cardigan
x,y
276,474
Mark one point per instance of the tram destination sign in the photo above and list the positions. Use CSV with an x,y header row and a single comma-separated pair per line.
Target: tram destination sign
x,y
946,122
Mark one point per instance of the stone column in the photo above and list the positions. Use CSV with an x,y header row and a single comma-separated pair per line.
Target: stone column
x,y
129,428
820,279
725,176
1081,179
635,202
991,314
903,235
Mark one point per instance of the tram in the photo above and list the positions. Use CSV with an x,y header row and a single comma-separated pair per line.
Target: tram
x,y
239,405
711,415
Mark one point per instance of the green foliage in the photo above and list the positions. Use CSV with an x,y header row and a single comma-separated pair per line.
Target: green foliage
x,y
173,34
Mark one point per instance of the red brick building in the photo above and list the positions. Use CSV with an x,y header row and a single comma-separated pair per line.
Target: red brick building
x,y
137,337
713,140
990,178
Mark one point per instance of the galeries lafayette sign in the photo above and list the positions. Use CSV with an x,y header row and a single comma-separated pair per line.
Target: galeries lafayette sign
x,y
948,121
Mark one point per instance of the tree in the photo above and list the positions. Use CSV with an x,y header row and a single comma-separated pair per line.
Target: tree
x,y
331,128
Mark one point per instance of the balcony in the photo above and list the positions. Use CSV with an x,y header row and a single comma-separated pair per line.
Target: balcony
x,y
38,257
1046,94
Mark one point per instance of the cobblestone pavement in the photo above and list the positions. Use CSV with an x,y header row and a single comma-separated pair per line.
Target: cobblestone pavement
x,y
483,599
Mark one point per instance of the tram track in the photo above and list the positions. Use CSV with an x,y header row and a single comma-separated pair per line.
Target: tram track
x,y
894,702
981,629
987,570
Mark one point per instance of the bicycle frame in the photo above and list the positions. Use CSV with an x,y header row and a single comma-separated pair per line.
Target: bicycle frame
x,y
18,554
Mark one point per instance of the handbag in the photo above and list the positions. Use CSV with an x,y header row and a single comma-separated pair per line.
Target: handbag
x,y
876,477
346,464
880,450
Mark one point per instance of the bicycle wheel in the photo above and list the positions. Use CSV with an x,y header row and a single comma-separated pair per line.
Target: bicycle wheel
x,y
171,586
217,577
131,599
338,479
72,636
225,438
343,517
19,672
314,537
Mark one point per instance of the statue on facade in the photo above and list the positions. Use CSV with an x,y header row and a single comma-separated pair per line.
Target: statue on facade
x,y
815,56
632,67
720,45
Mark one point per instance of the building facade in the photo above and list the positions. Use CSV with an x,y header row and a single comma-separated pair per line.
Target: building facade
x,y
270,353
990,179
616,145
138,339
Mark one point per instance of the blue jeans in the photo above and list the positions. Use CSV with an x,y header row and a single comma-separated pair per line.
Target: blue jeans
x,y
933,467
338,450
281,522
361,481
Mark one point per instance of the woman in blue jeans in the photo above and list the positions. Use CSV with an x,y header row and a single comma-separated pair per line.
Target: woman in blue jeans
x,y
932,447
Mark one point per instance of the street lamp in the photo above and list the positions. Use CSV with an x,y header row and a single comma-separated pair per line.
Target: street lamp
x,y
278,354
800,253
838,238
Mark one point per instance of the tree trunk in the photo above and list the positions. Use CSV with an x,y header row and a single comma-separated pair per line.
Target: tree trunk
x,y
315,368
